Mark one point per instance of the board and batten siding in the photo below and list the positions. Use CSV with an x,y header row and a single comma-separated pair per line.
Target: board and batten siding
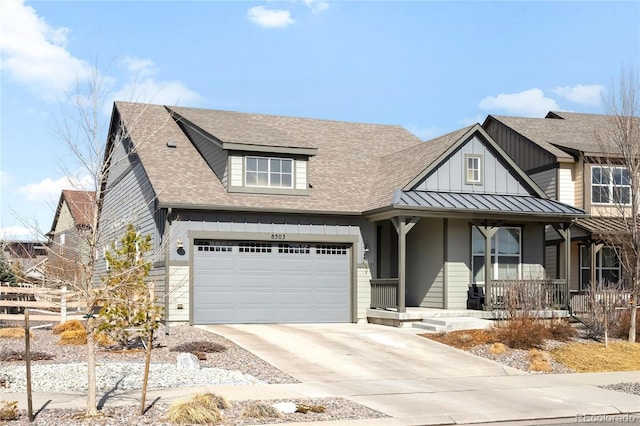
x,y
525,153
211,151
496,178
457,263
566,184
425,264
547,181
532,256
551,261
178,297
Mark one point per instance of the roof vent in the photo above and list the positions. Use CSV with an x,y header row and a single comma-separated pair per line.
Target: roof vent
x,y
172,144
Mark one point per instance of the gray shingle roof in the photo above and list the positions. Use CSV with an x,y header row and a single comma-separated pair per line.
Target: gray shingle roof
x,y
587,133
342,173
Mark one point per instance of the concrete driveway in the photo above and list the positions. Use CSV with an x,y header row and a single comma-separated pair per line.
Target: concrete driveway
x,y
418,381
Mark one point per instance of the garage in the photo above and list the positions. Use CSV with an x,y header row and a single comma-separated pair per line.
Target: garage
x,y
239,282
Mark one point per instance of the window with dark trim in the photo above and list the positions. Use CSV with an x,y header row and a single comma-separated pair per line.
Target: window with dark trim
x,y
607,266
506,254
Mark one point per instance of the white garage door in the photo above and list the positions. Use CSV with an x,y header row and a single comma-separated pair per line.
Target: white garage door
x,y
266,282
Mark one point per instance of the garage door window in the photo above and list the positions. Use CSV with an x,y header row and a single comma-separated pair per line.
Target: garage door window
x,y
214,246
335,249
254,247
293,248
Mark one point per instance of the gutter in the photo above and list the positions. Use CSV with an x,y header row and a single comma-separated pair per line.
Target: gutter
x,y
188,206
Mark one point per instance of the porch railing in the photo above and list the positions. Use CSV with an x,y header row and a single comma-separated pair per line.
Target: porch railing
x,y
585,302
384,293
528,294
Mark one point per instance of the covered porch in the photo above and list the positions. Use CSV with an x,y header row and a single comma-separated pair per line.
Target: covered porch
x,y
432,256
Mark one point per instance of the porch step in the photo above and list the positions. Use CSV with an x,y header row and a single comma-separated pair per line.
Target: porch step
x,y
440,325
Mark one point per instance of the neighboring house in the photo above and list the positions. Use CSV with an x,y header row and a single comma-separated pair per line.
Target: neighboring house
x,y
259,218
68,249
567,154
27,257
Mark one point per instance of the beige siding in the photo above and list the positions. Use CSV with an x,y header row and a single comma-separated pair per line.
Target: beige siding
x,y
567,185
363,293
236,170
178,293
581,185
457,266
301,174
547,181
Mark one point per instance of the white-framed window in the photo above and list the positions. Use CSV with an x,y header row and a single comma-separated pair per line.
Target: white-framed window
x,y
473,169
610,185
268,172
506,254
607,266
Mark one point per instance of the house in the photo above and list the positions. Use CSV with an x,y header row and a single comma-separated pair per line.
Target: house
x,y
68,249
571,157
257,218
27,257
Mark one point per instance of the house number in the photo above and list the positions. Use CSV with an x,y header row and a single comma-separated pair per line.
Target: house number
x,y
278,236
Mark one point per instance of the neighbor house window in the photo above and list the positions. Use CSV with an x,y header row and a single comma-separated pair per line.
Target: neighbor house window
x,y
269,172
607,266
473,169
506,249
610,185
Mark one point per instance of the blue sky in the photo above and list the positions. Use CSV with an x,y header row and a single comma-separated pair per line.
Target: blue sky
x,y
430,66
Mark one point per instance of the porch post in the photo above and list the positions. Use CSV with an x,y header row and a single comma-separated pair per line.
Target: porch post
x,y
593,250
402,262
567,265
487,232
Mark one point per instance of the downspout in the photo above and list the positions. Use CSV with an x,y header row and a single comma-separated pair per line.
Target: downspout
x,y
167,257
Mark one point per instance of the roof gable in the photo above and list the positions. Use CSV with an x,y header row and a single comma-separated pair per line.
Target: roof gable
x,y
80,204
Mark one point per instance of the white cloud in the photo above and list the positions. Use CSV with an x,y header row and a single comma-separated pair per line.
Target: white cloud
x,y
34,54
530,103
17,233
317,6
270,18
49,190
143,86
582,93
5,179
424,133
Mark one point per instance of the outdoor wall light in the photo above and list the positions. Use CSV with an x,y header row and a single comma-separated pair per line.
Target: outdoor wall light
x,y
179,244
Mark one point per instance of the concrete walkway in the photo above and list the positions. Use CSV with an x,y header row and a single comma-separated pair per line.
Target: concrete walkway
x,y
414,380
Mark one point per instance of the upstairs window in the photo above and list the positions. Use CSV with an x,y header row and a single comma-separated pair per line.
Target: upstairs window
x,y
610,185
473,174
269,172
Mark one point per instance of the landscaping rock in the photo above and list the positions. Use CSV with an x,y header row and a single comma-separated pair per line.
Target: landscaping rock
x,y
286,407
187,361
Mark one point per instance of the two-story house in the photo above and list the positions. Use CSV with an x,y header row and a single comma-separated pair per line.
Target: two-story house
x,y
570,156
258,218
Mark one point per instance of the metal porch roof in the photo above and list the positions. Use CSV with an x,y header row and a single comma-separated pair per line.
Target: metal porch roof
x,y
489,203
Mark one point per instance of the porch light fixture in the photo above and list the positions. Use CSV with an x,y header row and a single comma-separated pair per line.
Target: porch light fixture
x,y
179,244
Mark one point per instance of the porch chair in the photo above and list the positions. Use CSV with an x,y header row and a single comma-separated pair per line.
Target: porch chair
x,y
475,297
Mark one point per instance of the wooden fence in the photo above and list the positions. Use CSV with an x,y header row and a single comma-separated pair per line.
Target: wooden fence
x,y
586,303
45,304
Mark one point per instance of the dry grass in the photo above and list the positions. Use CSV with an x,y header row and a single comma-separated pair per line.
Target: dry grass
x,y
73,337
13,333
10,356
8,410
200,346
200,409
259,410
72,325
594,357
303,408
463,339
539,361
498,348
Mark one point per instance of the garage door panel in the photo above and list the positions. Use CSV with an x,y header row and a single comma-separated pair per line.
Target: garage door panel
x,y
258,282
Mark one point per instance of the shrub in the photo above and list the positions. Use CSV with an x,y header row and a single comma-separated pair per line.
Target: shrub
x,y
260,410
621,328
303,408
200,409
522,333
8,356
539,361
8,410
498,349
202,346
72,325
561,330
13,333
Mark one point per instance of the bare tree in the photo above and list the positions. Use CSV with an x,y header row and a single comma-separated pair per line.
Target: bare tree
x,y
619,140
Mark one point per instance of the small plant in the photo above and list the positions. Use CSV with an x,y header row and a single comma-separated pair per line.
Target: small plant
x,y
13,333
200,409
561,330
303,408
539,361
621,328
9,356
8,410
72,325
203,346
465,338
522,333
73,337
498,349
260,410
